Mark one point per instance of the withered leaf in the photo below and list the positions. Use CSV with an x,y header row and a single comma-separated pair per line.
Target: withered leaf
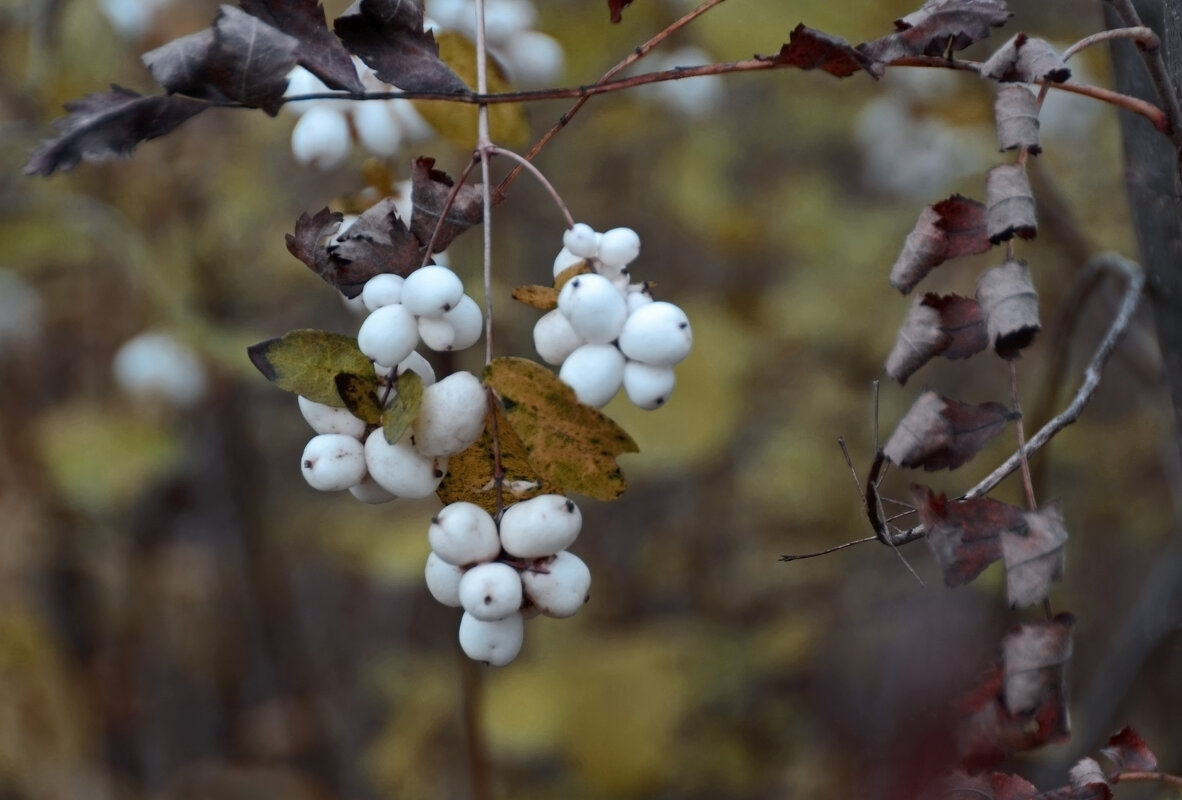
x,y
1025,60
1086,782
1034,555
182,66
1128,751
543,298
308,362
939,433
939,27
950,228
1009,203
108,124
377,242
965,535
1015,109
1010,307
429,192
616,7
308,242
982,786
249,60
320,52
388,35
813,49
947,325
404,408
1034,656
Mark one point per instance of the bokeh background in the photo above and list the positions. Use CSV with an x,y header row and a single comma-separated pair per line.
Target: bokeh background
x,y
182,617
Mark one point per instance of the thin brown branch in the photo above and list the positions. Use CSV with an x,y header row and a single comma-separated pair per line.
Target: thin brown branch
x,y
828,550
1019,427
1158,777
527,165
1145,38
1155,63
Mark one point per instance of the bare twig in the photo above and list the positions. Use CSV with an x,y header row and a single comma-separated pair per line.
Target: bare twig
x,y
1158,777
524,163
1145,38
1158,73
827,551
1019,427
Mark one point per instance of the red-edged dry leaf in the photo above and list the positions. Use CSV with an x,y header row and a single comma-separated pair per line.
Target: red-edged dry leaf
x,y
1015,108
108,124
1128,751
429,192
1034,656
1025,60
946,325
938,27
377,242
616,7
320,52
965,535
1010,305
812,49
950,228
388,35
938,433
981,786
1033,555
1009,204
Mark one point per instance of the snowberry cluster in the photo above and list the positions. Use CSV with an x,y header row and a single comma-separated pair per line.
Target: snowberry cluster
x,y
429,304
607,331
502,573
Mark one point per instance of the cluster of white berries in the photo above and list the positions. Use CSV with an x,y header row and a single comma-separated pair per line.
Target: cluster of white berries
x,y
429,304
502,573
607,331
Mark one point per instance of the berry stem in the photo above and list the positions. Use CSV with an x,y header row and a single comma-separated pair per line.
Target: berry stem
x,y
524,163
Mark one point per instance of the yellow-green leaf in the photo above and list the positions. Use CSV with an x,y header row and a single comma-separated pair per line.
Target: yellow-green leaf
x,y
543,298
408,399
308,362
360,397
456,122
571,445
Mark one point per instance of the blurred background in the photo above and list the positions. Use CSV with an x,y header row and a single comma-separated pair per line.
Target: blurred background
x,y
182,617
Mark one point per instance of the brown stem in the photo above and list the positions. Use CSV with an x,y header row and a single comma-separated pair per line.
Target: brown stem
x,y
1160,777
1019,427
1155,63
472,707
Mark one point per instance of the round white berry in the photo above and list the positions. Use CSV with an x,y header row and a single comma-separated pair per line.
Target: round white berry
x,y
332,462
369,491
400,469
377,128
638,295
431,290
558,587
388,335
321,137
565,260
534,58
468,322
595,372
540,526
443,580
495,642
619,247
581,240
437,333
417,364
330,419
491,591
463,533
554,338
596,308
382,290
657,333
648,386
452,415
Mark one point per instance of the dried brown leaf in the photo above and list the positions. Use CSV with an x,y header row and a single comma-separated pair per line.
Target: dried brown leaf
x,y
430,189
377,242
938,28
1015,108
965,535
1025,60
1034,656
1010,305
320,52
388,35
950,228
1034,555
1128,751
543,298
946,325
1009,204
938,433
813,49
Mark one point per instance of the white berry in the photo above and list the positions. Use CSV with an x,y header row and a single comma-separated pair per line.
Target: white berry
x,y
638,295
595,372
648,386
452,416
554,338
463,533
420,366
382,290
495,642
370,491
558,586
332,462
400,469
657,333
377,128
491,591
540,526
443,580
565,260
596,308
388,335
468,322
581,240
431,290
619,247
321,137
330,419
437,333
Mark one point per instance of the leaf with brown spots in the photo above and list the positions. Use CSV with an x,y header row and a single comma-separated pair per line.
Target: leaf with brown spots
x,y
543,298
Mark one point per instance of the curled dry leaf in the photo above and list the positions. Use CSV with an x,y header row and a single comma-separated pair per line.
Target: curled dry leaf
x,y
965,535
1009,203
1128,751
947,325
812,49
1025,60
1010,305
938,433
1034,555
1087,781
1034,657
938,28
388,35
377,242
430,189
320,52
1015,108
950,228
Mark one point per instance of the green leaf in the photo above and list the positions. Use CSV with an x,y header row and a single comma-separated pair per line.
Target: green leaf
x,y
471,474
571,445
308,362
408,399
360,396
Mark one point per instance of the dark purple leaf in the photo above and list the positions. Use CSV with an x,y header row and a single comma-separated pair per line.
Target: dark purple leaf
x,y
320,52
1010,307
981,786
1009,204
616,7
377,242
182,66
1025,60
965,535
250,60
429,192
812,49
939,27
938,433
109,124
388,35
950,228
937,325
309,243
1033,555
1016,111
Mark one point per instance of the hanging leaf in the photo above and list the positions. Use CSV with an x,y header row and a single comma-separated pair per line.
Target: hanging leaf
x,y
946,325
938,433
1034,656
388,35
1009,203
1010,306
965,535
938,28
945,230
430,189
1129,753
376,243
182,66
1033,555
571,445
470,474
543,298
319,52
360,396
307,362
1025,60
404,408
616,7
811,49
1086,781
1016,110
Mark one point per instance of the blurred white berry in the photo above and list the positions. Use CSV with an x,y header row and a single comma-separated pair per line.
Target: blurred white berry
x,y
533,58
377,128
565,260
332,462
321,137
155,365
